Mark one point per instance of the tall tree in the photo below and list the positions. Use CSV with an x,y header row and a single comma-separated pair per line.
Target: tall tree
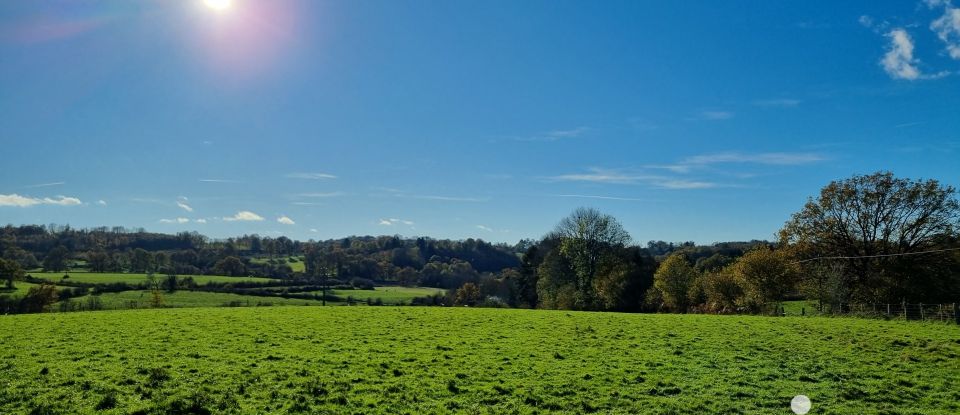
x,y
586,236
56,259
673,280
10,271
875,219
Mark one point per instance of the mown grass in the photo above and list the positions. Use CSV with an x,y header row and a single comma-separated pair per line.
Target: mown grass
x,y
389,295
458,360
107,278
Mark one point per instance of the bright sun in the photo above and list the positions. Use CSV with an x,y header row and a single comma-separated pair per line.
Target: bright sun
x,y
218,4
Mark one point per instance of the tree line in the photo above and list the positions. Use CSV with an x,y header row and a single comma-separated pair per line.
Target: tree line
x,y
869,238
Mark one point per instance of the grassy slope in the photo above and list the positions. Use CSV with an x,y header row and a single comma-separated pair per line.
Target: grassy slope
x,y
456,360
106,278
181,298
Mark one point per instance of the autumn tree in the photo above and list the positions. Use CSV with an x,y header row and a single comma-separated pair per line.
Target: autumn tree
x,y
766,275
468,294
876,224
673,280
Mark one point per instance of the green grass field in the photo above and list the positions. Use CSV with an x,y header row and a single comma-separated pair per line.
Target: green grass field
x,y
412,360
141,299
297,266
389,295
20,288
106,278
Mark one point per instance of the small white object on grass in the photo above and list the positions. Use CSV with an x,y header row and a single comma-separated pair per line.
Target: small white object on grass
x,y
800,404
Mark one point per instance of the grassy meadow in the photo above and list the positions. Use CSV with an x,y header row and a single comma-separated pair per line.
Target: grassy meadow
x,y
134,278
388,294
412,360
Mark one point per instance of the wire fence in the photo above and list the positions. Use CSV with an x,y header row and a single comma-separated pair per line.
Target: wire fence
x,y
904,311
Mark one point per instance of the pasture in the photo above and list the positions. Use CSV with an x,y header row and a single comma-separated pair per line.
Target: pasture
x,y
410,360
388,294
133,278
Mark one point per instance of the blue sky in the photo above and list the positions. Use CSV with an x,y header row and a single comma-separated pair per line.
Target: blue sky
x,y
706,121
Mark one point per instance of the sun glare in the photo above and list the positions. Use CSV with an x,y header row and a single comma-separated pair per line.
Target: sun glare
x,y
218,4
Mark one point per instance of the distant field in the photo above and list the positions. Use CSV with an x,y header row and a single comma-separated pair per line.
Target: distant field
x,y
106,278
20,288
141,299
297,266
410,360
389,295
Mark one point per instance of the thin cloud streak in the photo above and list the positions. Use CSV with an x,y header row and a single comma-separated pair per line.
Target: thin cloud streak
x,y
628,199
310,176
34,186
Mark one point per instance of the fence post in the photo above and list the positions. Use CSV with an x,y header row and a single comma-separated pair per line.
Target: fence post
x,y
956,312
888,309
904,305
921,311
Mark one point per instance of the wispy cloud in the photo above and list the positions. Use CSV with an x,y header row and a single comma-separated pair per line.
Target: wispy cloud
x,y
102,202
899,62
219,181
450,198
310,176
27,201
201,220
330,194
758,158
182,203
610,176
484,228
630,199
177,220
556,135
286,220
777,102
244,215
716,115
49,28
33,186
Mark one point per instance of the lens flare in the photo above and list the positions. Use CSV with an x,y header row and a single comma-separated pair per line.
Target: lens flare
x,y
218,4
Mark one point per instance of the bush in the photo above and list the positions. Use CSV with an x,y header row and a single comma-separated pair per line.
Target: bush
x,y
362,283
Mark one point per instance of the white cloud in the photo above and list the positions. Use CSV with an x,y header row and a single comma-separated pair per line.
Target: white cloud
x,y
286,220
102,202
556,135
310,176
330,194
449,198
866,21
33,186
201,220
899,62
716,115
484,228
394,221
631,199
947,28
608,176
177,220
219,181
182,203
314,230
244,215
26,201
777,102
758,158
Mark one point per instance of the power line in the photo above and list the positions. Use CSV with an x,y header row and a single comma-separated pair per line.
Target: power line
x,y
933,251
